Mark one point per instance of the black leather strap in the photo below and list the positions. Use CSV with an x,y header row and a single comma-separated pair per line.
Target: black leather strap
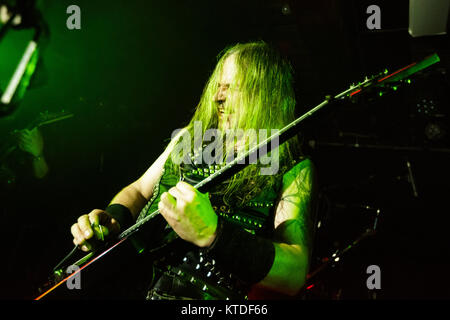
x,y
120,213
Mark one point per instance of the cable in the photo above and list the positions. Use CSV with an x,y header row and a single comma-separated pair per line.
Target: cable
x,y
65,258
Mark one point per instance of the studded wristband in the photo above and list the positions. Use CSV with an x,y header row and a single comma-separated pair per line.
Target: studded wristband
x,y
120,213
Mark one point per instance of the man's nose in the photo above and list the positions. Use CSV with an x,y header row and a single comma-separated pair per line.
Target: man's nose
x,y
221,94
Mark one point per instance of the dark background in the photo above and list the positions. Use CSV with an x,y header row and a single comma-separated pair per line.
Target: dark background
x,y
135,71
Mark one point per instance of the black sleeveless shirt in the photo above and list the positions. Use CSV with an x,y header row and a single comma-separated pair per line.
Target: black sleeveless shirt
x,y
185,271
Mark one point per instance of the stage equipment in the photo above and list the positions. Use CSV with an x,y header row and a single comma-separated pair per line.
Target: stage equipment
x,y
428,17
20,79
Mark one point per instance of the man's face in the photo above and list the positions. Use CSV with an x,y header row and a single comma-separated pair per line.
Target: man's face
x,y
224,94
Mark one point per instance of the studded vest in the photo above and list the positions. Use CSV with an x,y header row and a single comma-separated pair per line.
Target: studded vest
x,y
191,273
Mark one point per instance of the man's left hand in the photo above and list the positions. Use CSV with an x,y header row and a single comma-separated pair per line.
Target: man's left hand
x,y
190,214
31,142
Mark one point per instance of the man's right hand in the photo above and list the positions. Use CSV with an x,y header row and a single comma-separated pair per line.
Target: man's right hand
x,y
96,225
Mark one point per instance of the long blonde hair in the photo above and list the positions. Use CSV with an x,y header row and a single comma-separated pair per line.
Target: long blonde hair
x,y
266,100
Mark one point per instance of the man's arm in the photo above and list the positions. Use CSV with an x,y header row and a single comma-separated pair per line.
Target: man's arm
x,y
134,197
40,167
293,231
286,257
32,142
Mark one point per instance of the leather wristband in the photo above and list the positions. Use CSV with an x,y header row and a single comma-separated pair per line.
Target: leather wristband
x,y
121,214
245,255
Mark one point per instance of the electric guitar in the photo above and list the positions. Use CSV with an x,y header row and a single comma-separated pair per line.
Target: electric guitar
x,y
381,83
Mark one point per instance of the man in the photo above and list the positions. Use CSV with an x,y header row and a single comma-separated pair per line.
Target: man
x,y
251,233
23,175
15,162
31,142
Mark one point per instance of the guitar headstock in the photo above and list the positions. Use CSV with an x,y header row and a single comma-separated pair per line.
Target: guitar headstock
x,y
366,83
390,81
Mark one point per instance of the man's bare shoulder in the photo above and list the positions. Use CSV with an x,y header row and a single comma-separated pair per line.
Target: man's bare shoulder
x,y
303,169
